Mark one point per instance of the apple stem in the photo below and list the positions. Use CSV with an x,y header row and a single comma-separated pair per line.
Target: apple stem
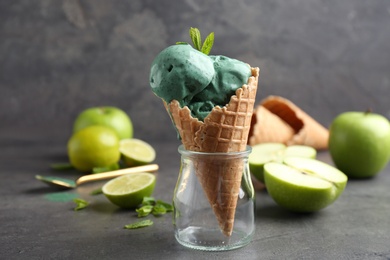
x,y
368,111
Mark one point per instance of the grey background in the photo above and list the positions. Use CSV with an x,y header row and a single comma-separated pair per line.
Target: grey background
x,y
60,57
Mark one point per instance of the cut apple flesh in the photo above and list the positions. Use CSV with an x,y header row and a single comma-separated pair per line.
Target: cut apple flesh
x,y
275,152
296,177
268,152
303,184
300,151
318,169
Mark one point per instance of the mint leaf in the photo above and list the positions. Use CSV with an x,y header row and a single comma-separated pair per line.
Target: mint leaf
x,y
81,204
197,41
159,210
97,191
61,166
150,205
148,201
208,44
144,211
196,38
167,206
139,224
182,43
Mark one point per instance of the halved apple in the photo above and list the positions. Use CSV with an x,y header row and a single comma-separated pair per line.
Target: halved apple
x,y
275,152
303,184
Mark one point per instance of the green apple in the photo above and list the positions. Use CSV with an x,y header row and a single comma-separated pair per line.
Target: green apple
x,y
275,152
303,184
112,117
359,143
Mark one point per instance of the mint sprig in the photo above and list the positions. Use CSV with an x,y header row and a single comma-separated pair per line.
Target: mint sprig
x,y
196,39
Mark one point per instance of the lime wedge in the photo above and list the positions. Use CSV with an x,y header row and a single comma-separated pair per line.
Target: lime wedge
x,y
128,191
136,152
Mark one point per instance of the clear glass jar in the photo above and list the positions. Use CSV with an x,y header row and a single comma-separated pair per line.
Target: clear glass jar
x,y
214,201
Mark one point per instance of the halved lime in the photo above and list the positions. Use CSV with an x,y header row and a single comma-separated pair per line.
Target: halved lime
x,y
136,152
128,191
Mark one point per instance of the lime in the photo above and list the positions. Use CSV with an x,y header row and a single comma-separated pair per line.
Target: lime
x,y
136,152
93,146
128,191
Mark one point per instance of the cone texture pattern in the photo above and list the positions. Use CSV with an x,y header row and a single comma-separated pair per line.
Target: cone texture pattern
x,y
224,130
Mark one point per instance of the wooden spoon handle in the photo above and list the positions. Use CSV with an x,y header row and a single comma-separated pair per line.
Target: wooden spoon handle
x,y
116,173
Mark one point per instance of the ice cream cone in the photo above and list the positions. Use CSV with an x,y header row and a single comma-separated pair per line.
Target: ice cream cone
x,y
224,130
187,125
268,127
307,130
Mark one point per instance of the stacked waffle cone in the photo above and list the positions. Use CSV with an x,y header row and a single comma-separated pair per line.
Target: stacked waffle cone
x,y
277,119
224,130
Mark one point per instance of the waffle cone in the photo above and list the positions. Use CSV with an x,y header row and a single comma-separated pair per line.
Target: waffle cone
x,y
224,130
268,127
307,130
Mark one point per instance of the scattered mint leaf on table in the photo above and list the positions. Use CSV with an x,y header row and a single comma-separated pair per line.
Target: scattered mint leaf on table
x,y
144,210
167,206
159,210
61,166
81,204
139,224
148,201
150,205
96,192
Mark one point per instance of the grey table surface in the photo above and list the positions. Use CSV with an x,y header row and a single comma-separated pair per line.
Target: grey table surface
x,y
356,226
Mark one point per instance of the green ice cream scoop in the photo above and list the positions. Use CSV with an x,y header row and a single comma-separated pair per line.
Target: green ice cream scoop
x,y
196,80
180,72
230,74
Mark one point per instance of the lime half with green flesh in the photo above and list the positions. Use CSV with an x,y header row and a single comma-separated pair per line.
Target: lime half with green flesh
x,y
128,191
136,152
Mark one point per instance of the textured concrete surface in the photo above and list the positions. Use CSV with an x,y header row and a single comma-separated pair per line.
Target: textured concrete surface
x,y
356,226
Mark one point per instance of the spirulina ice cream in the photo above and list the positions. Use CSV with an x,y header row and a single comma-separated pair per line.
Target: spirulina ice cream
x,y
196,80
210,100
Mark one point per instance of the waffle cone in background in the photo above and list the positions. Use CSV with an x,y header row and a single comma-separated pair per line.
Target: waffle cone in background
x,y
268,127
307,131
224,130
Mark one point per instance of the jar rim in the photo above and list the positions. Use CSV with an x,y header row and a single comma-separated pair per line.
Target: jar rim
x,y
246,152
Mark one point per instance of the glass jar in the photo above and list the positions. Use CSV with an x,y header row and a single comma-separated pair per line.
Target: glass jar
x,y
214,201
